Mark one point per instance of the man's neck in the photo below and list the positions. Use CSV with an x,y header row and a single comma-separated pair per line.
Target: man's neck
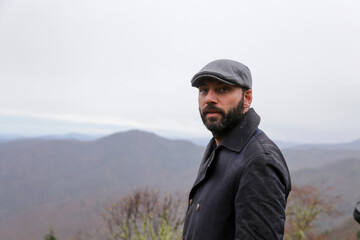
x,y
218,138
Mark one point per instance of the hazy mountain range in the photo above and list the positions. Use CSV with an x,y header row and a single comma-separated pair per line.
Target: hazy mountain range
x,y
60,181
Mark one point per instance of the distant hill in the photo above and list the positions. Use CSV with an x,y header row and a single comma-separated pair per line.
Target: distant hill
x,y
7,138
72,136
62,181
315,157
342,178
69,136
37,173
354,145
203,141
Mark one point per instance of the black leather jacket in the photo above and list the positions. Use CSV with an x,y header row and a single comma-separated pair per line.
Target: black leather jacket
x,y
241,188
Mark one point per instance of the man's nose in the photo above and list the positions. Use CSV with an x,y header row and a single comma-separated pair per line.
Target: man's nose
x,y
211,97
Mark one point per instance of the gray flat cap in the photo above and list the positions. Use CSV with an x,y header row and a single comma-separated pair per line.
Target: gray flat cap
x,y
224,70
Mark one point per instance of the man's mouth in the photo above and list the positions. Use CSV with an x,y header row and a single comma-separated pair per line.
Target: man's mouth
x,y
212,114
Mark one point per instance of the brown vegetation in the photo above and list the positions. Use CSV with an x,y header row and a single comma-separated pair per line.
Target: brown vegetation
x,y
142,214
306,204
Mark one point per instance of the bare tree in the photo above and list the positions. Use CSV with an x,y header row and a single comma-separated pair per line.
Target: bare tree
x,y
306,204
141,215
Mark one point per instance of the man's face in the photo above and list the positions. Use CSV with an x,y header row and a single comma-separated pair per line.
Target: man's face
x,y
221,106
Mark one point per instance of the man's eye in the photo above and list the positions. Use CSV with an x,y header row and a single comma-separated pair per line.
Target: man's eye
x,y
203,90
224,89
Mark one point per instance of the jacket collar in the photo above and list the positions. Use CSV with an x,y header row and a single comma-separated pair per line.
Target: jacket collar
x,y
237,138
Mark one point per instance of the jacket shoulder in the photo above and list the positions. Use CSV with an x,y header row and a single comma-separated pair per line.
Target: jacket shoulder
x,y
260,143
262,149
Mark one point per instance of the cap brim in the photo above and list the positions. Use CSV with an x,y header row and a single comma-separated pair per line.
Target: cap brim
x,y
199,80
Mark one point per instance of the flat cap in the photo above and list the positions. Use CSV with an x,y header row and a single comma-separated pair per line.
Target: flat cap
x,y
224,70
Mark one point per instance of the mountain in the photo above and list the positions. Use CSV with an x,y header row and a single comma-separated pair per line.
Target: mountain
x,y
343,178
315,157
65,182
72,136
69,136
203,141
49,170
338,179
36,173
354,145
7,138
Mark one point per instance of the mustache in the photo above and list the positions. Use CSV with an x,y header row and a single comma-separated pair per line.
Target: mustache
x,y
212,108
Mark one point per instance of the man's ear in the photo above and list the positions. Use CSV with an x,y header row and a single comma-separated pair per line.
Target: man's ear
x,y
247,98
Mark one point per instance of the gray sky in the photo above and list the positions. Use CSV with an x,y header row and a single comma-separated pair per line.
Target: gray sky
x,y
105,66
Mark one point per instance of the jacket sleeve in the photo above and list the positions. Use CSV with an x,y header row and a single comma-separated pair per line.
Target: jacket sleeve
x,y
261,199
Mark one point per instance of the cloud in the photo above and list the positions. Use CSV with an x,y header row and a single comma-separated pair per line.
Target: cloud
x,y
132,61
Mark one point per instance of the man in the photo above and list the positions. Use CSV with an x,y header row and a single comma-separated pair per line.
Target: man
x,y
243,181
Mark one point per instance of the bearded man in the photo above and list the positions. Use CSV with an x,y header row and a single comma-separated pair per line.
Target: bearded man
x,y
243,181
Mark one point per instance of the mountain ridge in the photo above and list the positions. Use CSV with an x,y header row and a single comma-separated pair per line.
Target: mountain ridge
x,y
57,176
200,141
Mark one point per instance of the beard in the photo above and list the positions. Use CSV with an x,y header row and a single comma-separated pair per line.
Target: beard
x,y
221,125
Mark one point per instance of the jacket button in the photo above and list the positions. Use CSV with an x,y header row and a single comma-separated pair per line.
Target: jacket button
x,y
182,238
190,202
198,207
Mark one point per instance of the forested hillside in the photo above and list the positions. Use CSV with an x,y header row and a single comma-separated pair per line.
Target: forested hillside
x,y
65,183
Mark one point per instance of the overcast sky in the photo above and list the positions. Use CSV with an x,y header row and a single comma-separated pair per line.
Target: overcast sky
x,y
98,67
